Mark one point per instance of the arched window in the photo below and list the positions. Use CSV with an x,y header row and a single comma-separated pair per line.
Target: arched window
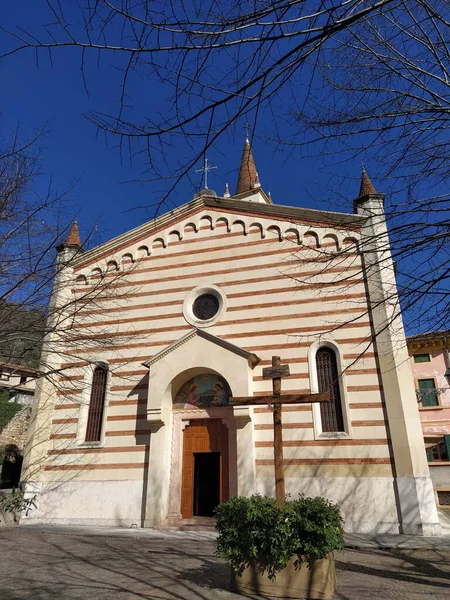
x,y
327,376
96,405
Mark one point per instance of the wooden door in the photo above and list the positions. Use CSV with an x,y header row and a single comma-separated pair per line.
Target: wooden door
x,y
204,435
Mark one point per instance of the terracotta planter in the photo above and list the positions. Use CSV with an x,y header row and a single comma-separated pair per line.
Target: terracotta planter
x,y
317,583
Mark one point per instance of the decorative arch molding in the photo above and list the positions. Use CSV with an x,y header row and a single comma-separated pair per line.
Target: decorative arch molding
x,y
206,219
297,233
274,232
331,237
111,266
225,221
292,234
96,274
158,242
190,227
143,252
240,226
257,228
127,261
81,280
174,236
350,242
329,342
311,235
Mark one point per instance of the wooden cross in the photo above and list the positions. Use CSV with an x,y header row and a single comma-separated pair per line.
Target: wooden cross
x,y
276,400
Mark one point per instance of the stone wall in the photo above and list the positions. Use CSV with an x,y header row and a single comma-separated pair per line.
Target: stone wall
x,y
16,431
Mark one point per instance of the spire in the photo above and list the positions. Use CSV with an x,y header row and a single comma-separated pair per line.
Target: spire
x,y
367,186
248,177
73,239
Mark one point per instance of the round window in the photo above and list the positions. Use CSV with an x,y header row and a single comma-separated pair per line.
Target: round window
x,y
205,307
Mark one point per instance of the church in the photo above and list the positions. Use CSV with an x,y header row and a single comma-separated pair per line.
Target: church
x,y
152,333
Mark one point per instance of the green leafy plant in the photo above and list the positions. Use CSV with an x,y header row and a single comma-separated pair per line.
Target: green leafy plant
x,y
7,409
16,504
257,529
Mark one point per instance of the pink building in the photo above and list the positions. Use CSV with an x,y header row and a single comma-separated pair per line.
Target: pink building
x,y
430,363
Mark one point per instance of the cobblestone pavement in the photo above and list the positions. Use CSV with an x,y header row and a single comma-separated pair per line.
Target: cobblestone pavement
x,y
63,565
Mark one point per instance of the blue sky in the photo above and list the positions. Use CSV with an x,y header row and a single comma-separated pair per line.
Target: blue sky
x,y
74,153
51,94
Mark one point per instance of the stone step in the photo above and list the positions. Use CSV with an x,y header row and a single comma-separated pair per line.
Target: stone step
x,y
194,524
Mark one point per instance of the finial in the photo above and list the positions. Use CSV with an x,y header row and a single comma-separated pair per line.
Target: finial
x,y
247,177
269,196
205,170
73,239
257,184
366,186
247,127
227,191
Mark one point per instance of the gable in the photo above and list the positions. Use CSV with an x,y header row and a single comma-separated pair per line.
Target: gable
x,y
214,214
252,359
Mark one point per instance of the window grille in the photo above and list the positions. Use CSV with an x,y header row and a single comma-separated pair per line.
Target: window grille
x,y
428,393
96,405
444,497
327,375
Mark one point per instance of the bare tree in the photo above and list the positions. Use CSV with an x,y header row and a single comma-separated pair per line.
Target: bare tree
x,y
360,78
32,226
214,62
46,309
382,92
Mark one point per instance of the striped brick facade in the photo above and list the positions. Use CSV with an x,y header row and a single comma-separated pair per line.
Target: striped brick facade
x,y
293,281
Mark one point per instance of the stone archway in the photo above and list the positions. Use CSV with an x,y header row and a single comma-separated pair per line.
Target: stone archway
x,y
203,425
195,353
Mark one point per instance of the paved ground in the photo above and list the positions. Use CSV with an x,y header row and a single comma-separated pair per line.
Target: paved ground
x,y
53,564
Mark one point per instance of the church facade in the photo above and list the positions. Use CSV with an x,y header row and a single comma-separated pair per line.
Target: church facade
x,y
163,324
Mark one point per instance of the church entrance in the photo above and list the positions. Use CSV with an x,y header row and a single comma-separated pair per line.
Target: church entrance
x,y
205,476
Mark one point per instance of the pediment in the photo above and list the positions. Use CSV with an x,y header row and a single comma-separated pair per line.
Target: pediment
x,y
211,209
252,358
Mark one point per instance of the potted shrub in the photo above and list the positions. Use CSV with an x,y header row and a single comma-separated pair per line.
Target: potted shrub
x,y
281,549
13,504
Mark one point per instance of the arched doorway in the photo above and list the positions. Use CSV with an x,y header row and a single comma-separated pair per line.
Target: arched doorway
x,y
205,473
205,477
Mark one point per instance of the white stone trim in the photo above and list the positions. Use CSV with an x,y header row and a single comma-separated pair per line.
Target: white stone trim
x,y
314,386
188,303
181,420
252,358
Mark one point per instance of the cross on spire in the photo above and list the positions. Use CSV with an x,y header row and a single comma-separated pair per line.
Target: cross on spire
x,y
207,168
247,128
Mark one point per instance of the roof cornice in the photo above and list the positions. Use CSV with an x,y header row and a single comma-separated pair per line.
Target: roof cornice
x,y
288,212
138,232
275,211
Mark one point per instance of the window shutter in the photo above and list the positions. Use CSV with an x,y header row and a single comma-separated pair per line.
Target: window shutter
x,y
327,375
422,358
96,405
428,395
447,445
